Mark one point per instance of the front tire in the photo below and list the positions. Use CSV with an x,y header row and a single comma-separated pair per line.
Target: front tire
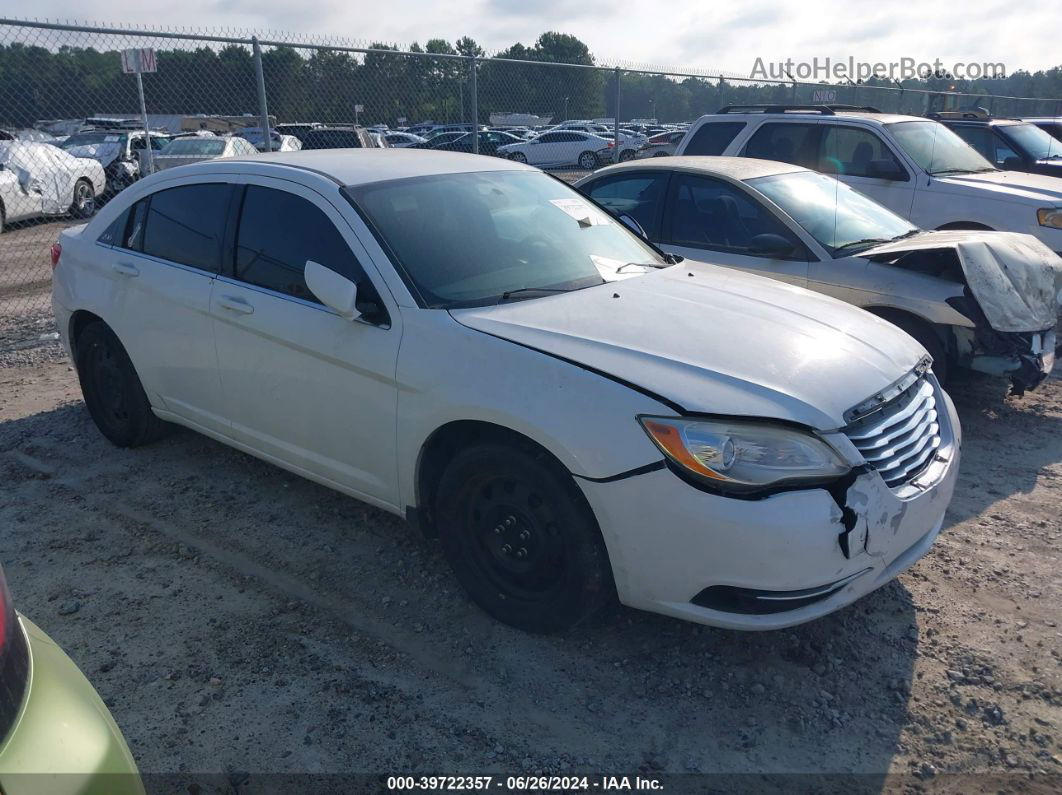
x,y
519,157
926,336
521,539
587,161
113,393
83,202
626,155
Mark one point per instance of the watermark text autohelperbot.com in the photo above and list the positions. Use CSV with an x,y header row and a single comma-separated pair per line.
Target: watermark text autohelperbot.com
x,y
822,69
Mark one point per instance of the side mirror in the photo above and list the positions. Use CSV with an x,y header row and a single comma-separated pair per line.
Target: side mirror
x,y
632,223
887,169
771,245
334,291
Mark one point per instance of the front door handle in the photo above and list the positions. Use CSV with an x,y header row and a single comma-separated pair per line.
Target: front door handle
x,y
125,269
235,304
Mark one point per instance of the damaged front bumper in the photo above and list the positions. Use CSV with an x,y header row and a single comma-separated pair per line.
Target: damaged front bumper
x,y
1025,358
773,562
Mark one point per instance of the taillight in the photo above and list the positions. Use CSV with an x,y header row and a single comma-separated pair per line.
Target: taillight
x,y
14,661
57,252
611,144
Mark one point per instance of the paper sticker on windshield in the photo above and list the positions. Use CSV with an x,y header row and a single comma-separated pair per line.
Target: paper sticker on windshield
x,y
580,211
112,139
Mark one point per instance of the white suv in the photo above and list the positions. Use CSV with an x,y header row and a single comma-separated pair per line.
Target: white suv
x,y
916,167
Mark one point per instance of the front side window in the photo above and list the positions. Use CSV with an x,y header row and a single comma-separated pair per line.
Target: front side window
x,y
278,233
787,143
711,138
977,137
187,225
708,213
936,149
849,151
637,195
841,219
469,239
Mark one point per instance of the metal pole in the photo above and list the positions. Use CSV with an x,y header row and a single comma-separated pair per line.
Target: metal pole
x,y
263,109
149,156
473,90
615,131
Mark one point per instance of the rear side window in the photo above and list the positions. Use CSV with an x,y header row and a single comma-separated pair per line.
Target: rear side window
x,y
640,196
786,143
187,225
278,232
713,138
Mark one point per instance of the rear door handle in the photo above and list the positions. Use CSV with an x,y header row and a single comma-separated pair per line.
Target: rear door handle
x,y
235,304
125,269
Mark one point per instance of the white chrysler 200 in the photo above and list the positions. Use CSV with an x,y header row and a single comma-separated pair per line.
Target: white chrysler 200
x,y
470,343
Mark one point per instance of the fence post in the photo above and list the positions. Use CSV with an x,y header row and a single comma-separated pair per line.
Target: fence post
x,y
615,120
263,109
473,89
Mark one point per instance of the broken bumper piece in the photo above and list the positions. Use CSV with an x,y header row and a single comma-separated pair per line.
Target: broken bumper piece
x,y
758,564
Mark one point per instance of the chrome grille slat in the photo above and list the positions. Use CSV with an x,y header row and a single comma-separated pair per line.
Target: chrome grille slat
x,y
899,439
922,397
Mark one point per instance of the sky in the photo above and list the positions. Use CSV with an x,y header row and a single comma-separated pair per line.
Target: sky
x,y
696,34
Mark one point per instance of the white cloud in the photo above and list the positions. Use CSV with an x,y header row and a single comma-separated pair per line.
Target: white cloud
x,y
681,33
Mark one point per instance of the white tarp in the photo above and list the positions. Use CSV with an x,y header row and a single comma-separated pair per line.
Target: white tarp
x,y
1014,277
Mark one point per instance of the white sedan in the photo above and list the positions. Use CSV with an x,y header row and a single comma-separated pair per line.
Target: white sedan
x,y
38,179
400,140
470,343
562,148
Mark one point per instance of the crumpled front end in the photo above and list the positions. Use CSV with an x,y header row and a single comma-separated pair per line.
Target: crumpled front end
x,y
1013,295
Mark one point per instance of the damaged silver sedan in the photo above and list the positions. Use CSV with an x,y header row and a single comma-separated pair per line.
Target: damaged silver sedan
x,y
987,301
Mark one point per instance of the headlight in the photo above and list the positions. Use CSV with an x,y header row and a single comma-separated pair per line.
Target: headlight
x,y
743,456
1050,216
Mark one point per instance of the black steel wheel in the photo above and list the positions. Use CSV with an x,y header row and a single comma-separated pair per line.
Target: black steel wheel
x,y
112,390
521,539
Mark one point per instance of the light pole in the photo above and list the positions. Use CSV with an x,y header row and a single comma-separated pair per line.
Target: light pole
x,y
565,110
652,109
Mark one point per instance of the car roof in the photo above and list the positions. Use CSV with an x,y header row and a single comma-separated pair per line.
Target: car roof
x,y
365,166
738,168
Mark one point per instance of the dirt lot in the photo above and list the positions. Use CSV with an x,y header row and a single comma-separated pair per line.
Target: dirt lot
x,y
241,621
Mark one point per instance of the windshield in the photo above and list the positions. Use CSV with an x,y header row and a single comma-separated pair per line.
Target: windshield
x,y
195,146
937,149
841,219
469,239
1033,141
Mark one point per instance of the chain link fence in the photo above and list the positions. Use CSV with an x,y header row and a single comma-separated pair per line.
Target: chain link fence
x,y
73,131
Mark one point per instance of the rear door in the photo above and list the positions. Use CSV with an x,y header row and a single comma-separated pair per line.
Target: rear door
x,y
715,221
545,149
303,385
162,257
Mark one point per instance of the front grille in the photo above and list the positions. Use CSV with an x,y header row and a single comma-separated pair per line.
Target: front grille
x,y
898,439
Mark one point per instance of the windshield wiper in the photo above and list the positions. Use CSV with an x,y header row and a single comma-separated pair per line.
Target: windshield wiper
x,y
869,241
944,171
643,265
521,290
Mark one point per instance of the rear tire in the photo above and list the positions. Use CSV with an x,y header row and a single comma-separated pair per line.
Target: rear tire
x,y
626,155
113,393
521,539
83,203
587,161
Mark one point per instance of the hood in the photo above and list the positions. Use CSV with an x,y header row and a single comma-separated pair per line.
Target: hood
x,y
1034,187
718,341
1014,277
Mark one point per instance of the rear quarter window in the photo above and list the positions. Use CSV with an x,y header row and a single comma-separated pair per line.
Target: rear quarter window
x,y
712,138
